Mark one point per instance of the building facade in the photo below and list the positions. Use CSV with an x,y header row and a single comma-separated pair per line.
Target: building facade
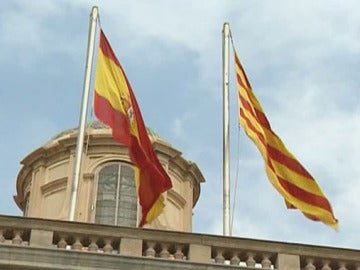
x,y
104,234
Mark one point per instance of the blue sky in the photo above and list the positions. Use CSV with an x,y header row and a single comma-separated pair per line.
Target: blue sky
x,y
302,59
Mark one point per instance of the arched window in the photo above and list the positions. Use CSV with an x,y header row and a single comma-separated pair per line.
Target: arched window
x,y
116,200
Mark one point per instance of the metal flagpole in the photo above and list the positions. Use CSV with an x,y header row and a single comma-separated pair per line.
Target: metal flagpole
x,y
83,112
226,167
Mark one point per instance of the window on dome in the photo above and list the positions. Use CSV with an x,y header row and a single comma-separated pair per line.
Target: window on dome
x,y
116,201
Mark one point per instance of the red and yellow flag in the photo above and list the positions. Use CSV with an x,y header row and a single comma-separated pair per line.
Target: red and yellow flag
x,y
284,171
116,106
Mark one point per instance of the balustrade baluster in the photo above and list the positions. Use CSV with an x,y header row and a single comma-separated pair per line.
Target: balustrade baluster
x,y
250,262
150,251
164,253
265,262
17,240
234,259
93,246
108,247
326,265
310,265
219,257
77,244
62,243
178,255
342,266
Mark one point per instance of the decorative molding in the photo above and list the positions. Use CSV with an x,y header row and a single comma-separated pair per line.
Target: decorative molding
x,y
176,198
88,176
54,186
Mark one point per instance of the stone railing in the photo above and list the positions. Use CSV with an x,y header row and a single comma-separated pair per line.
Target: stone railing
x,y
197,249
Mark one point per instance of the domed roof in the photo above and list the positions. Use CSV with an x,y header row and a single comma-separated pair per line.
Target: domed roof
x,y
96,126
58,153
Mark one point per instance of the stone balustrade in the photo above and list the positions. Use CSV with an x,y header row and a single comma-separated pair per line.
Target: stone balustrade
x,y
329,263
14,236
175,249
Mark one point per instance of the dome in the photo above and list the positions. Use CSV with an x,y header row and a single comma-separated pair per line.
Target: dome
x,y
96,126
45,179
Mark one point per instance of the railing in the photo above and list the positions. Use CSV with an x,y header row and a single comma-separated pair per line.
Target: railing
x,y
326,263
14,236
168,245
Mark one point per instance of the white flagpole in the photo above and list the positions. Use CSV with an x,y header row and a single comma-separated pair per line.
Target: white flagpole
x,y
226,166
83,112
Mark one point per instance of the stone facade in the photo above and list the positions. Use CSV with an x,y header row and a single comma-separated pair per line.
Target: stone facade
x,y
44,239
30,243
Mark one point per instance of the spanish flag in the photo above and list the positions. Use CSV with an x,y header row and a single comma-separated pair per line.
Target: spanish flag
x,y
116,106
284,171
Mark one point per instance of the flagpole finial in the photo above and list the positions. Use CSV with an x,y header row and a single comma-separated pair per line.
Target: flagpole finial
x,y
226,26
94,12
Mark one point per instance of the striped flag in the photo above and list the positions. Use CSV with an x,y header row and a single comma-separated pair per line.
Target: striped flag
x,y
116,106
284,171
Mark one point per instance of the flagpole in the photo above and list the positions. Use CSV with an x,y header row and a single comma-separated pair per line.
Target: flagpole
x,y
83,112
226,166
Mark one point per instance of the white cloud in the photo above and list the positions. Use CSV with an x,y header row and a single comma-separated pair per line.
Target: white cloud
x,y
34,31
179,125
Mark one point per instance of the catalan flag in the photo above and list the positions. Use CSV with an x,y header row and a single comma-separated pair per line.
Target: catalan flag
x,y
116,106
284,171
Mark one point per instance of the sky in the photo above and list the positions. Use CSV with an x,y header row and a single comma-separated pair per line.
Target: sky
x,y
301,57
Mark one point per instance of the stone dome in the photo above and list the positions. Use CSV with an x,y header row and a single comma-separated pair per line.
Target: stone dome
x,y
44,181
96,126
